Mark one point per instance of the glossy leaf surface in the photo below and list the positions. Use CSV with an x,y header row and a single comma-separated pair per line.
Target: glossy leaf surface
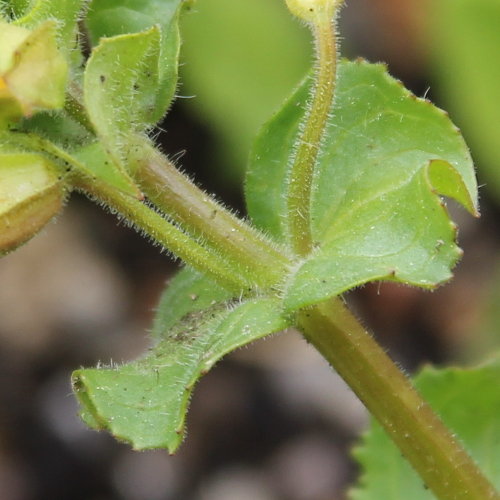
x,y
375,211
468,400
144,402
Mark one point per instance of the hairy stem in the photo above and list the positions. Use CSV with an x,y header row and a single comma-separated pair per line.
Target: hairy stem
x,y
200,215
306,154
167,234
428,445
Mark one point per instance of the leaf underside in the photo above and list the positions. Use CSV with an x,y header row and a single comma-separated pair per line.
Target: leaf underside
x,y
468,401
145,402
376,213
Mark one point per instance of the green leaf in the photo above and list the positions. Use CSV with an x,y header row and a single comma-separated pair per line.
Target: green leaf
x,y
187,292
376,211
464,40
145,402
66,14
109,18
468,401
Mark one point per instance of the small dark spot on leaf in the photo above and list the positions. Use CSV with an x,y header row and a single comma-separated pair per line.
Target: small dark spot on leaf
x,y
102,78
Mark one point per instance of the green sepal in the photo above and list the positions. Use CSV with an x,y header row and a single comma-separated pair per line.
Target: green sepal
x,y
468,401
89,161
31,194
144,402
120,85
109,18
376,213
94,162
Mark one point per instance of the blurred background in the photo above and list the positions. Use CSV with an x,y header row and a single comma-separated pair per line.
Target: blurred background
x,y
272,421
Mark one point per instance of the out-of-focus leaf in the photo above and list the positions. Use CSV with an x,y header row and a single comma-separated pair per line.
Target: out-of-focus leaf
x,y
464,39
240,58
468,401
145,402
375,211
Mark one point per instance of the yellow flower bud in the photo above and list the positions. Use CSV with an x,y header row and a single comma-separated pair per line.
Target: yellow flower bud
x,y
308,10
30,195
33,73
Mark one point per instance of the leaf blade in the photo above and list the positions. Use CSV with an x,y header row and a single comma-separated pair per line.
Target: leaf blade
x,y
386,154
451,392
145,402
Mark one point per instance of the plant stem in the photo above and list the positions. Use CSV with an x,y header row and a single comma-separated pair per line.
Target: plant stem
x,y
309,142
428,445
167,234
199,214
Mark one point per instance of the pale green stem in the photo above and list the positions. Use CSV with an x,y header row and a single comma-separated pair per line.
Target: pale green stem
x,y
199,214
309,142
167,234
427,444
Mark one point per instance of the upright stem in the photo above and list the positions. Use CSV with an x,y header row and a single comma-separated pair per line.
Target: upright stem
x,y
322,22
204,218
428,445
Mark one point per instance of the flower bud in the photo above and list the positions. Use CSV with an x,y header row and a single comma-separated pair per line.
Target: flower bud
x,y
30,195
33,73
309,9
